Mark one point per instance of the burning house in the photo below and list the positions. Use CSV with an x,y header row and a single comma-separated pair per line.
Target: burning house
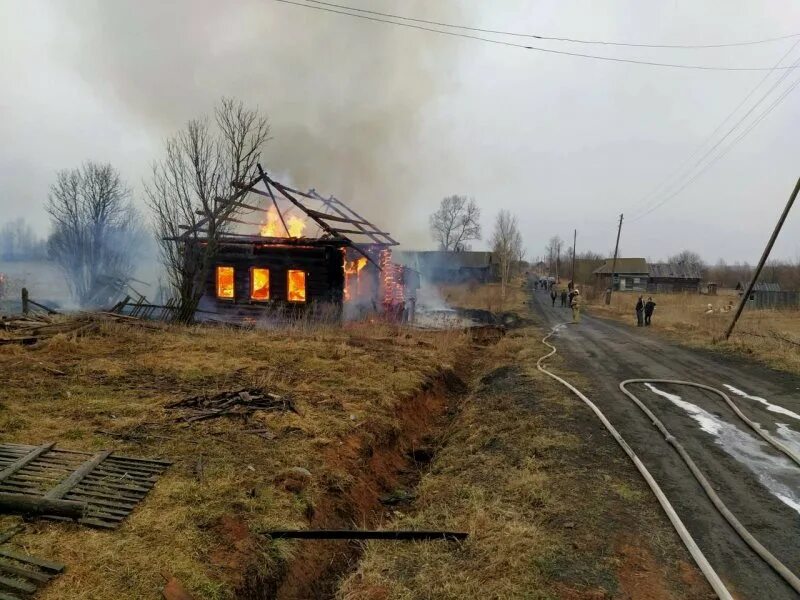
x,y
304,253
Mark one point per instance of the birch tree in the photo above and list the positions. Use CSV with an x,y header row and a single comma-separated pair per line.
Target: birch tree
x,y
456,223
507,247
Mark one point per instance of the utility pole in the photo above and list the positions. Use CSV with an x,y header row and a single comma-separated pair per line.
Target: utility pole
x,y
614,264
574,241
764,257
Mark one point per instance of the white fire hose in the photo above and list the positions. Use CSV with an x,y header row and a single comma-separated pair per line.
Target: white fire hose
x,y
748,538
697,554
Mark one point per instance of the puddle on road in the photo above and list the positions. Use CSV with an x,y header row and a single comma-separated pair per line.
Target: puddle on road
x,y
775,472
786,433
770,406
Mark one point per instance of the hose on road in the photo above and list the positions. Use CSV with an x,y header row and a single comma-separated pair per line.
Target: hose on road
x,y
743,533
697,554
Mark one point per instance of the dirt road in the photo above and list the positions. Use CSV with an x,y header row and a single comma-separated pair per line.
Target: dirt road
x,y
760,485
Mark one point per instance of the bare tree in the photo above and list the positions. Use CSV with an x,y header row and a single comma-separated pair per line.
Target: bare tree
x,y
553,251
455,223
690,260
198,167
96,232
18,242
507,247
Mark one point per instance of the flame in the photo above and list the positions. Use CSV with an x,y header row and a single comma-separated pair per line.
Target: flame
x,y
393,290
273,227
297,286
225,283
352,276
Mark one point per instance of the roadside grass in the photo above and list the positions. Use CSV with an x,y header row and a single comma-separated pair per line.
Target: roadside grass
x,y
770,336
553,508
198,522
485,296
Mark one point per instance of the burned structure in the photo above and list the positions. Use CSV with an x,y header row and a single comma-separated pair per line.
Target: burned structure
x,y
304,254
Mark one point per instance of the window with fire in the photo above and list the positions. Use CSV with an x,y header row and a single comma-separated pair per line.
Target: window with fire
x,y
259,284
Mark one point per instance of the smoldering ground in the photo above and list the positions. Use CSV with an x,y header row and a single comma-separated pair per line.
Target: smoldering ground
x,y
344,97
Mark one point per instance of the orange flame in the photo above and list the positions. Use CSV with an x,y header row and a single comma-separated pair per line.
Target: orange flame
x,y
297,286
273,227
352,276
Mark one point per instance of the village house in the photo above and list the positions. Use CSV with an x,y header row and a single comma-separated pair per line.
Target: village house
x,y
440,266
629,274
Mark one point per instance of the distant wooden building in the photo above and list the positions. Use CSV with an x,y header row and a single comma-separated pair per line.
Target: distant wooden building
x,y
441,266
673,277
629,274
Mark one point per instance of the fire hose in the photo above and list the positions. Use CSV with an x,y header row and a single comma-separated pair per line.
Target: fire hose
x,y
697,554
702,562
748,538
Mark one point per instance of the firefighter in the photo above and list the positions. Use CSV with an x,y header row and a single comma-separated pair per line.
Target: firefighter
x,y
575,305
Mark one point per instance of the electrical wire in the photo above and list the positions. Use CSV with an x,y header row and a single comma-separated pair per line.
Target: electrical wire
x,y
680,169
557,39
535,48
724,152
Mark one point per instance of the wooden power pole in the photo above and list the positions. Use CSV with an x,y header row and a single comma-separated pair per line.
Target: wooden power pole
x,y
614,264
574,241
764,257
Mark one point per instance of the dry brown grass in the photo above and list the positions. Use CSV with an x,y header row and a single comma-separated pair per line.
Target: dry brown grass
x,y
344,380
485,296
761,334
548,502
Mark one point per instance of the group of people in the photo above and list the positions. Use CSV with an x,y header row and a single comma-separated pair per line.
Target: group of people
x,y
571,299
644,311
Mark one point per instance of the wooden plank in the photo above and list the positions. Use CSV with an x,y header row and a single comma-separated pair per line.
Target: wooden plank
x,y
9,533
336,218
17,586
98,523
103,499
6,567
369,233
37,505
48,565
4,596
73,480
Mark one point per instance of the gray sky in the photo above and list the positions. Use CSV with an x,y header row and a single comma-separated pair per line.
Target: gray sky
x,y
392,119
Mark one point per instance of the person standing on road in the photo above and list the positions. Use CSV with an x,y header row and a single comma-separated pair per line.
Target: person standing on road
x,y
564,298
649,307
640,312
553,296
575,305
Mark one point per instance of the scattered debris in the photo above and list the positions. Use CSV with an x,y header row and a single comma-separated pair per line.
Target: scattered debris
x,y
33,328
361,534
98,489
231,403
20,573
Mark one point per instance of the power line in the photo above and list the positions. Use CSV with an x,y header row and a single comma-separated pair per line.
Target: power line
x,y
533,48
725,151
557,39
680,172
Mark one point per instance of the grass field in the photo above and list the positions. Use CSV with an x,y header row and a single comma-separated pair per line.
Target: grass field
x,y
553,507
109,389
771,336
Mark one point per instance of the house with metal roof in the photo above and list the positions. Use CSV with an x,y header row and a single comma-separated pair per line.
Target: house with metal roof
x,y
673,277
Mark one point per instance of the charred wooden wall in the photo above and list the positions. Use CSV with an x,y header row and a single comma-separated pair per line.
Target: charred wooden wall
x,y
322,265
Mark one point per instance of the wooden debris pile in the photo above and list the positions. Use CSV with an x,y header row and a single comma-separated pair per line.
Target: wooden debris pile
x,y
33,328
231,404
29,329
